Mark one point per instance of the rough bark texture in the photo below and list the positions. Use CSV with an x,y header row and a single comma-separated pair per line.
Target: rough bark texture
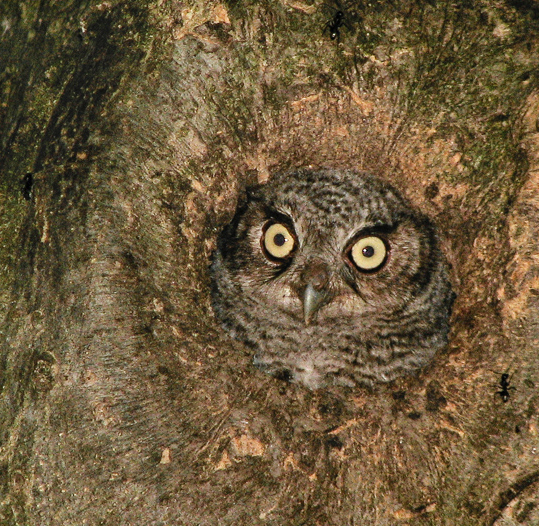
x,y
128,131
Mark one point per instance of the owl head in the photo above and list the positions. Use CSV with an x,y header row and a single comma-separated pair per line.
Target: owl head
x,y
332,277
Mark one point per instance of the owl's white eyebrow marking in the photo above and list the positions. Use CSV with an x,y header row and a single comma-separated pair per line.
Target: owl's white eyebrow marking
x,y
278,214
373,228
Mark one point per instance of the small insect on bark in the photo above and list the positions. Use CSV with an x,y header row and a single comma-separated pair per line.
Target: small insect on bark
x,y
27,186
505,387
333,25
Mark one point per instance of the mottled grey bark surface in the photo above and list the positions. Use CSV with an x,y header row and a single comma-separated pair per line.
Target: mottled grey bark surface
x,y
128,132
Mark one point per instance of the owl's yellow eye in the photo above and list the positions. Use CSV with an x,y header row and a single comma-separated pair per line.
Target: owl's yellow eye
x,y
277,241
369,253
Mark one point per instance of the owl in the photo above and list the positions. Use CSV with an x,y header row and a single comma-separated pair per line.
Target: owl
x,y
332,278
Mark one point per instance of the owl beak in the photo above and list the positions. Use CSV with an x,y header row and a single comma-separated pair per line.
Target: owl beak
x,y
312,301
316,293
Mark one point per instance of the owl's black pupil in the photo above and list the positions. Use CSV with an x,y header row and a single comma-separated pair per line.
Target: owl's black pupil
x,y
368,251
279,240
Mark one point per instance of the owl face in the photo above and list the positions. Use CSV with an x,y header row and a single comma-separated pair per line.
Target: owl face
x,y
329,275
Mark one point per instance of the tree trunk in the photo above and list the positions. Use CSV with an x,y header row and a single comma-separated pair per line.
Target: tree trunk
x,y
128,132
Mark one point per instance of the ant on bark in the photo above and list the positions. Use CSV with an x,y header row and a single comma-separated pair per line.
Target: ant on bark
x,y
334,24
505,387
340,18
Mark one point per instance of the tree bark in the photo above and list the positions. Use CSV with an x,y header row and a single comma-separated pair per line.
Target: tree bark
x,y
128,132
